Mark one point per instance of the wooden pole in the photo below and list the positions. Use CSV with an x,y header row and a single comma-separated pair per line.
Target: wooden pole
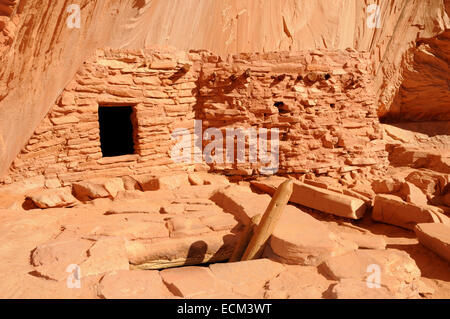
x,y
247,234
269,220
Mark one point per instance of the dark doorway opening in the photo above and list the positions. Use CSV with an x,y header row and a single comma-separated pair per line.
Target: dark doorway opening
x,y
116,130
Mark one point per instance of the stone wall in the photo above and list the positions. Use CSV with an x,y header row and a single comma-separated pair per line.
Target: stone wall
x,y
321,102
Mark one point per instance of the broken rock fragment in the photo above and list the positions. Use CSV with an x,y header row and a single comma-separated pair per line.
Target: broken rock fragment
x,y
365,240
247,277
351,288
52,258
435,237
135,284
190,281
318,198
241,202
98,188
191,250
181,226
170,182
53,198
297,282
412,194
301,239
391,209
107,254
394,270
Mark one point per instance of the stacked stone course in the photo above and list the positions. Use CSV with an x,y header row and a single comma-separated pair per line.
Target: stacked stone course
x,y
323,103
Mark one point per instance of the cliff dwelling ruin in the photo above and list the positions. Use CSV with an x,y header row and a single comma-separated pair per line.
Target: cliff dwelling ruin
x,y
258,160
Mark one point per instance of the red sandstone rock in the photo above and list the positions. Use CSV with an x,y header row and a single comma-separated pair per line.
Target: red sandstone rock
x,y
398,272
209,247
131,183
53,198
105,255
241,202
133,207
350,288
320,199
431,183
246,277
447,199
365,240
326,102
436,237
301,239
219,222
393,210
131,227
413,156
97,188
52,259
386,186
298,282
136,284
181,226
152,183
412,194
188,282
153,197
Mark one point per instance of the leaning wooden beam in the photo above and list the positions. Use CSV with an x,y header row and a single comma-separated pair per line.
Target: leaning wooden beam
x,y
269,221
245,238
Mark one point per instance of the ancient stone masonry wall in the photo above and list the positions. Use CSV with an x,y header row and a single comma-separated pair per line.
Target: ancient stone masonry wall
x,y
66,146
322,103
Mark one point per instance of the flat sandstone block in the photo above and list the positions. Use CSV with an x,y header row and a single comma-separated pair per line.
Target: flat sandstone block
x,y
53,198
391,209
210,247
301,239
133,284
189,281
435,237
241,202
319,198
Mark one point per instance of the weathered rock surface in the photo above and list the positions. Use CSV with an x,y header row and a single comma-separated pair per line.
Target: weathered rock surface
x,y
351,288
217,246
98,188
298,282
301,239
136,284
190,281
412,194
417,157
137,206
393,210
246,277
241,202
389,46
321,199
436,237
53,258
327,101
107,254
398,274
171,182
364,240
53,198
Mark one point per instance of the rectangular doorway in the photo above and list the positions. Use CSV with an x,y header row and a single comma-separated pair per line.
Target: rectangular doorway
x,y
116,130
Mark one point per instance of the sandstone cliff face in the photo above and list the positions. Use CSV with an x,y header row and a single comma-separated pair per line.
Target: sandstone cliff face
x,y
425,91
39,54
